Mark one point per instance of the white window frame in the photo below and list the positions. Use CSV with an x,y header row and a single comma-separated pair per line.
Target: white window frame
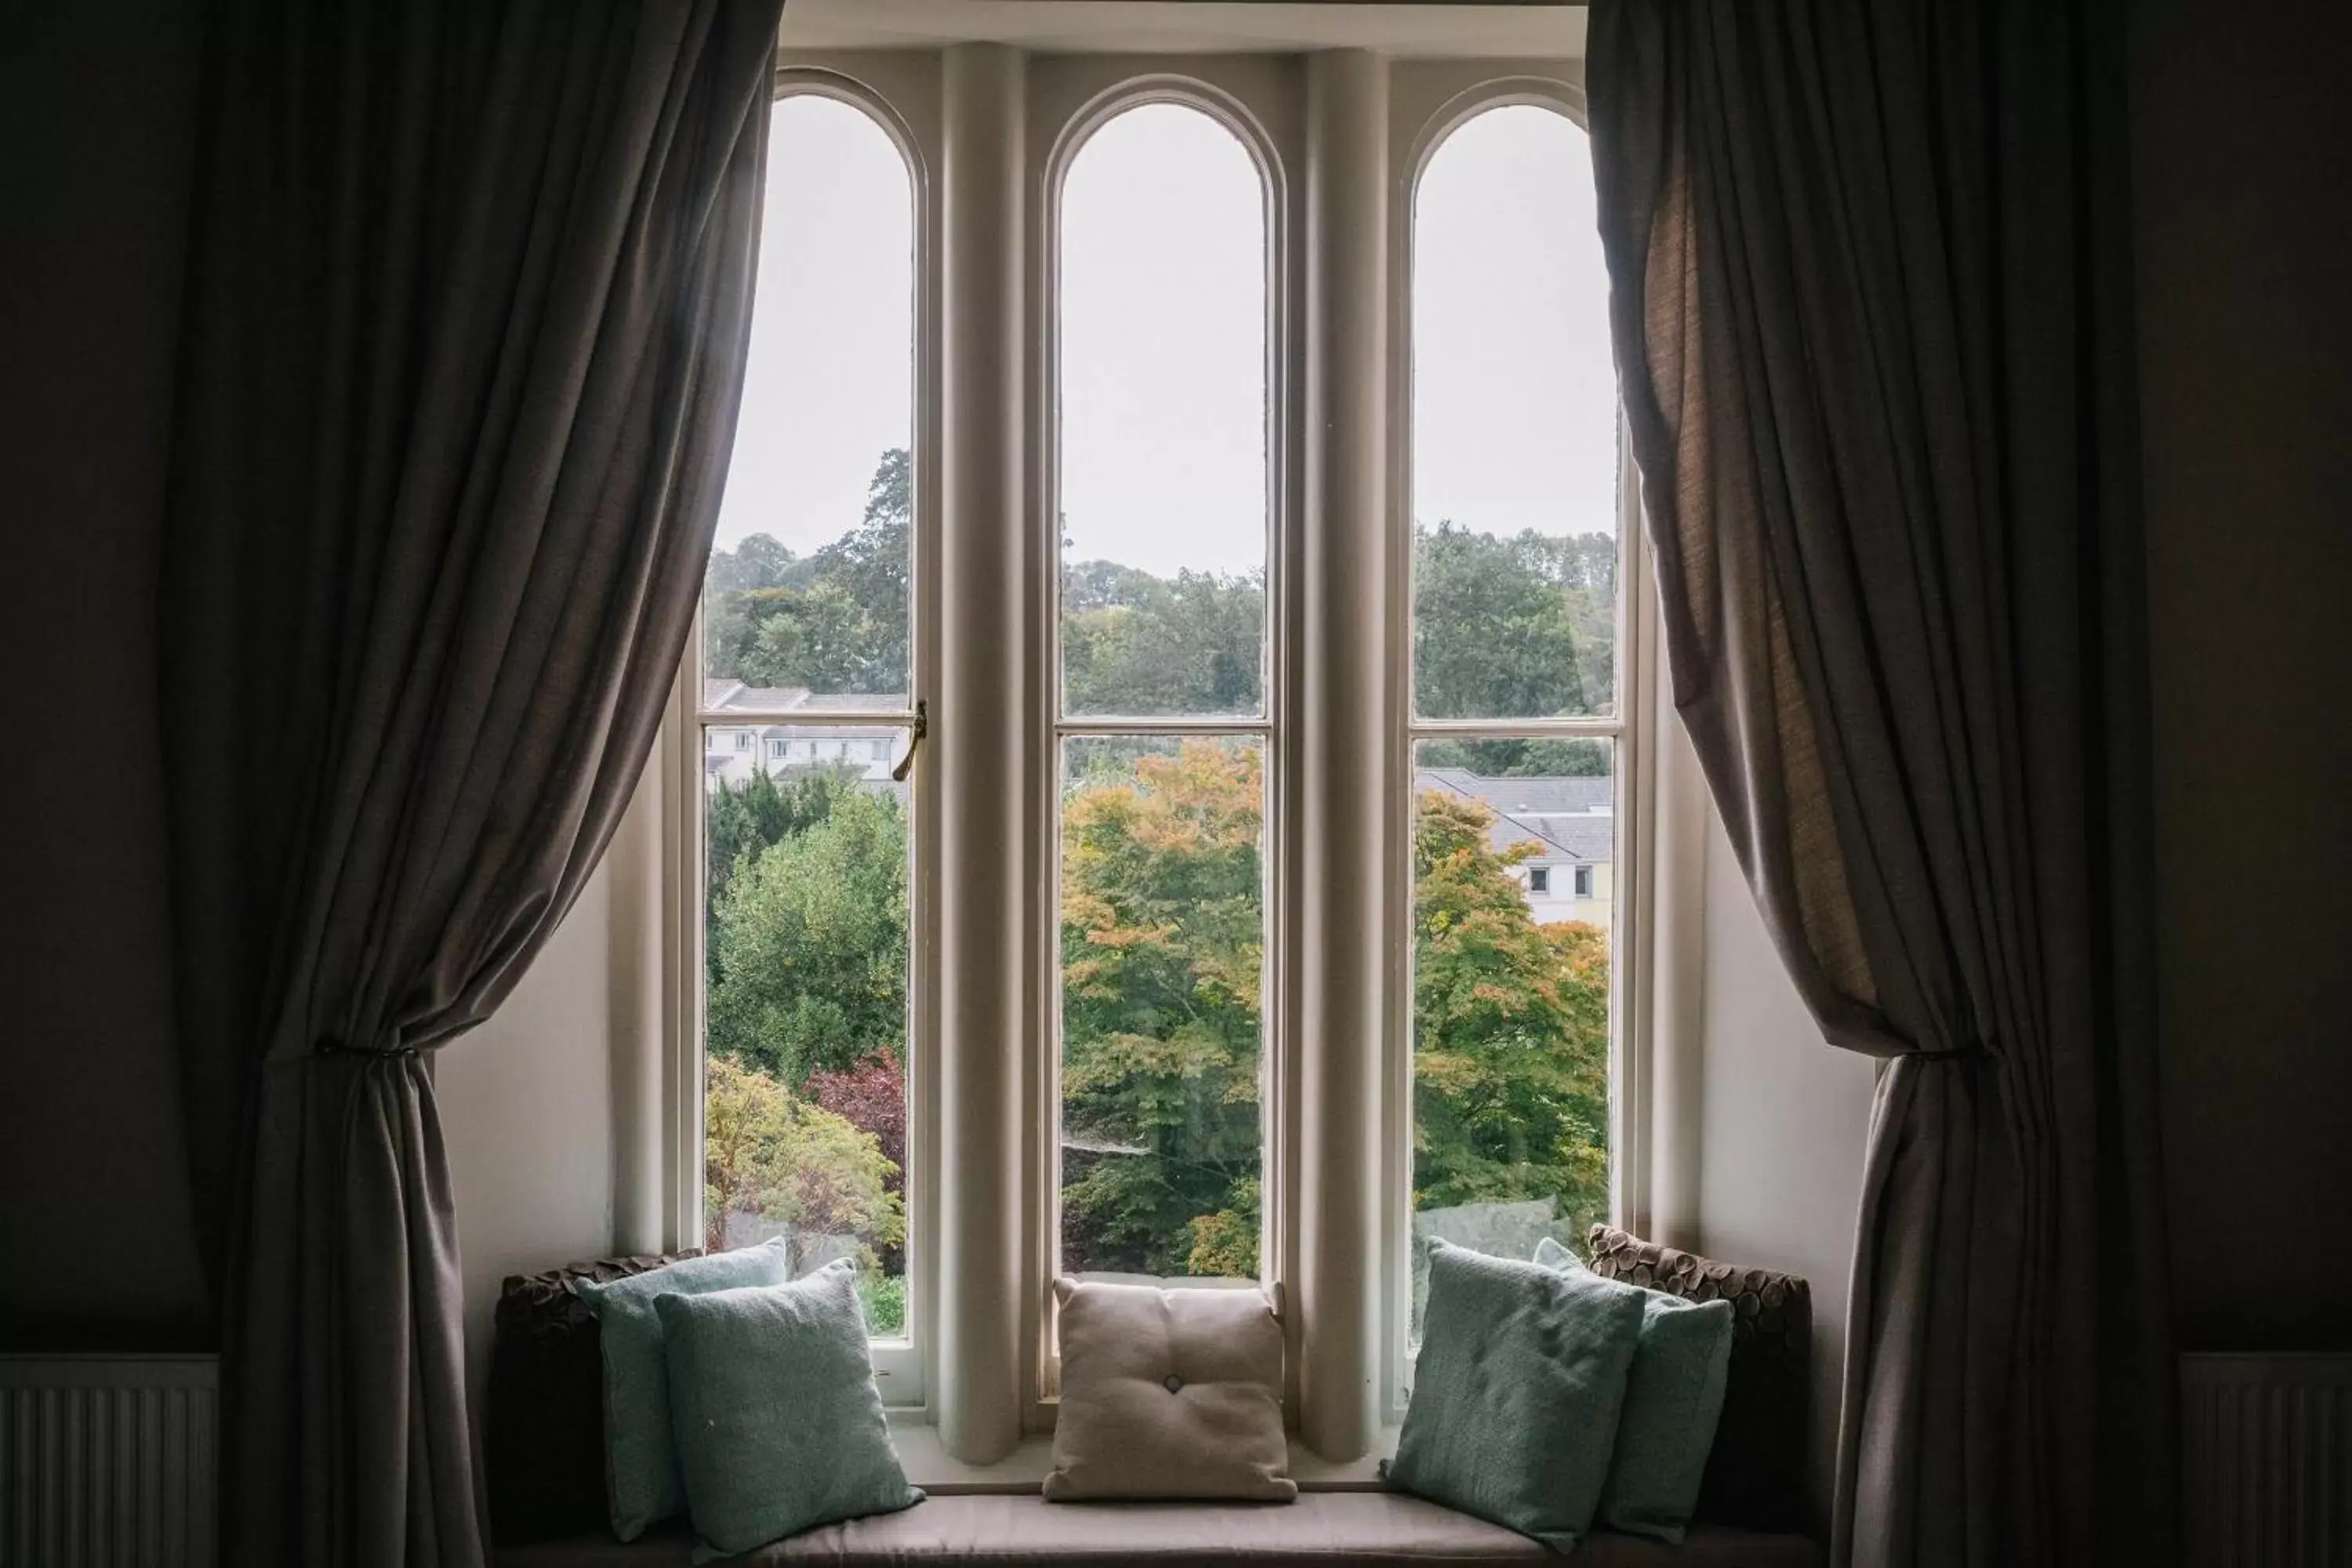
x,y
1260,97
900,93
1430,100
1077,96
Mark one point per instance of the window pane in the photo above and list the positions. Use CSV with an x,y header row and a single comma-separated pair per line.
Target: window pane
x,y
1163,939
1512,860
804,1098
807,589
1162,389
1514,427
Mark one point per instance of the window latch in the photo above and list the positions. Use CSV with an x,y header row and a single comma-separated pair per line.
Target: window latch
x,y
915,733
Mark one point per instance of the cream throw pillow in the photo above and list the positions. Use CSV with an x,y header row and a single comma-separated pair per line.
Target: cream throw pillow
x,y
1168,1394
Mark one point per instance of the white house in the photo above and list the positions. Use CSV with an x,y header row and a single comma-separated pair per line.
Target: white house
x,y
1572,823
732,754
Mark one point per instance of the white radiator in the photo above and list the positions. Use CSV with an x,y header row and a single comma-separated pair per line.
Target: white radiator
x,y
108,1461
2266,1460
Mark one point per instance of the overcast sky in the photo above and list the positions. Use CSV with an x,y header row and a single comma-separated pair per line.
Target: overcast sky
x,y
1163,336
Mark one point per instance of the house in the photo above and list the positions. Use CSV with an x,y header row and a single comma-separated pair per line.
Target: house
x,y
732,754
1571,822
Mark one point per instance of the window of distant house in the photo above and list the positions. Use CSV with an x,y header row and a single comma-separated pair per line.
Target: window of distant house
x,y
1584,881
1514,697
1163,720
742,740
810,880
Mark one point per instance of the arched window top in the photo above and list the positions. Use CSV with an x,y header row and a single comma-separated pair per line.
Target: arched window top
x,y
1162,311
1514,398
823,465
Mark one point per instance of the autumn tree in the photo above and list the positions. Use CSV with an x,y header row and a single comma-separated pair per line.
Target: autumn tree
x,y
770,1153
1162,950
1510,1027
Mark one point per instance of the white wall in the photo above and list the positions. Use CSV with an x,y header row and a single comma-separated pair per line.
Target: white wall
x,y
527,1114
1783,1118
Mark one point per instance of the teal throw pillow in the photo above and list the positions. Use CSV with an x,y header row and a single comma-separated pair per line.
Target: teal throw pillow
x,y
779,1424
1515,1392
1673,1392
641,1481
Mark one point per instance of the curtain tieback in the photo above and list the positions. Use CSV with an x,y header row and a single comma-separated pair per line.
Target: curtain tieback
x,y
1968,1051
328,1046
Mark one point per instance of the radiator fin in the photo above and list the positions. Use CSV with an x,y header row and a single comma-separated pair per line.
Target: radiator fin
x,y
2266,1460
108,1463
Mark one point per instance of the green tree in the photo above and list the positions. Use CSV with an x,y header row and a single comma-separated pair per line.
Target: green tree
x,y
1162,950
836,621
810,939
740,820
1518,759
768,1152
1512,626
1510,1027
1133,643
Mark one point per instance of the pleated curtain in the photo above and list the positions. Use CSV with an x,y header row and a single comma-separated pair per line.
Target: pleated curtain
x,y
1872,318
462,332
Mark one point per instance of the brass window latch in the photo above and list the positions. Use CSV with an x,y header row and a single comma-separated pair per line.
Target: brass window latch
x,y
915,733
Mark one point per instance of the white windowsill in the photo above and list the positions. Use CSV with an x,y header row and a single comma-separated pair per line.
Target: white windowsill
x,y
929,1466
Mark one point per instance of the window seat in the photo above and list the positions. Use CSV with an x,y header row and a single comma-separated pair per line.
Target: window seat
x,y
1321,1527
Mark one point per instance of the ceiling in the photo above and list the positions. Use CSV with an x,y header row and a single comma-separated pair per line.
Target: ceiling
x,y
1152,27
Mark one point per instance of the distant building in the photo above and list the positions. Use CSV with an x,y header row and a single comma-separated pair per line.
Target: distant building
x,y
1572,824
1571,821
732,754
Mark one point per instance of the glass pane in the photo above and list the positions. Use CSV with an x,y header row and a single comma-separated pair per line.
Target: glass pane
x,y
1513,874
807,592
1163,940
804,1076
1163,472
1514,427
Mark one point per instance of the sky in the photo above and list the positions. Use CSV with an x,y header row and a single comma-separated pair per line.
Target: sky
x,y
1164,322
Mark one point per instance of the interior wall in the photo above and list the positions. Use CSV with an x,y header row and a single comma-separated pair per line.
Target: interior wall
x,y
2243,202
97,111
1784,1116
526,1115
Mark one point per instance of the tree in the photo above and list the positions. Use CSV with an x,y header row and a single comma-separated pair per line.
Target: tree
x,y
1133,643
1512,626
1510,1027
810,940
1518,759
835,622
1162,950
768,1154
872,1096
740,820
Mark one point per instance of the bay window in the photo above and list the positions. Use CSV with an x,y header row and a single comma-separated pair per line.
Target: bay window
x,y
1176,510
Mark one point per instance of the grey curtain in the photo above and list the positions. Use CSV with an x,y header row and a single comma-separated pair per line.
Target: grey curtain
x,y
1870,309
463,334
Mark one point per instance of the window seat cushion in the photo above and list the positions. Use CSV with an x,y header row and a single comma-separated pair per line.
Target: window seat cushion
x,y
1321,1527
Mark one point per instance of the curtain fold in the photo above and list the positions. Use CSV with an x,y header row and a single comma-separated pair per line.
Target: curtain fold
x,y
1870,304
464,330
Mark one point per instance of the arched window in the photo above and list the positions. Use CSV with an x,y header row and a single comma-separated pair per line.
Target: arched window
x,y
1162,311
1515,507
809,602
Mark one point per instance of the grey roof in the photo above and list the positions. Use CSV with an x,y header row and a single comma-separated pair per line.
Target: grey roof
x,y
1546,795
1569,818
827,732
725,694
